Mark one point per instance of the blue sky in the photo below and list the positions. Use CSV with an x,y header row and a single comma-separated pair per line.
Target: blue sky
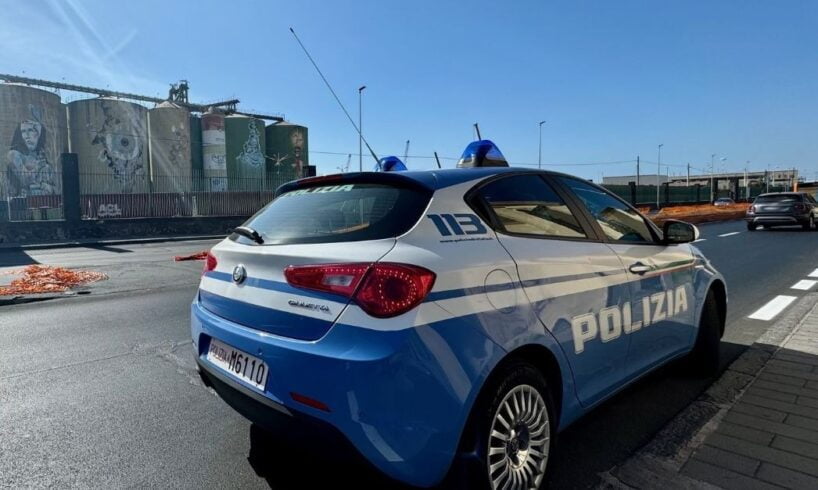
x,y
612,79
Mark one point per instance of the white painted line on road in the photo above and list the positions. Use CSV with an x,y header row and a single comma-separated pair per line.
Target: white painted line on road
x,y
700,240
772,308
813,273
731,234
804,285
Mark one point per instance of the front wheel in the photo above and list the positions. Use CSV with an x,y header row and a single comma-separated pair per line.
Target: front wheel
x,y
809,225
751,227
515,430
704,358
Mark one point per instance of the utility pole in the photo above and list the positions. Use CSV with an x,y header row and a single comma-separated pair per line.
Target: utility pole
x,y
746,184
688,174
712,157
658,174
637,170
360,130
539,153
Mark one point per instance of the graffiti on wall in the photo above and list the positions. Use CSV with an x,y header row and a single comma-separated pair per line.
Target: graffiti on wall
x,y
28,171
297,141
251,154
121,148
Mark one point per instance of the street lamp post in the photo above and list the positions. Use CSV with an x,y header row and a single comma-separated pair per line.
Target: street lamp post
x,y
712,157
539,152
658,174
360,129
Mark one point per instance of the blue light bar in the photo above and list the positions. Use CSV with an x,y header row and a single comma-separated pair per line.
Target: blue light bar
x,y
390,164
482,153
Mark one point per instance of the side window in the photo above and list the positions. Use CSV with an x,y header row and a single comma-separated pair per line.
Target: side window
x,y
618,221
528,205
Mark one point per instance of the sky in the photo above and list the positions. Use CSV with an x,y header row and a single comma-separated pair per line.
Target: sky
x,y
612,80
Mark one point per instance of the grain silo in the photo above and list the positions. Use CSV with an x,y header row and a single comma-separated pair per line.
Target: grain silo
x,y
214,158
195,126
170,142
287,153
33,134
245,141
110,139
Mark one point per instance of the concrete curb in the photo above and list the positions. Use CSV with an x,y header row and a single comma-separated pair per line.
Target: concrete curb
x,y
34,298
659,463
125,241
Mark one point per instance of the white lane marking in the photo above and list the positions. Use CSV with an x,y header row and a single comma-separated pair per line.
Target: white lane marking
x,y
813,273
730,234
772,308
700,240
804,285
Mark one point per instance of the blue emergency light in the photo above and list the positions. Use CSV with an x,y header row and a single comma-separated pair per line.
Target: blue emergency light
x,y
390,164
482,153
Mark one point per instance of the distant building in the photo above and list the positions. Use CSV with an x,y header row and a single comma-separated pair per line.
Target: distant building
x,y
723,181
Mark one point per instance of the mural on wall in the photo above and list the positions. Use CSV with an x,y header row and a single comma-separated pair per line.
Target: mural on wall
x,y
121,149
251,155
28,171
297,140
179,154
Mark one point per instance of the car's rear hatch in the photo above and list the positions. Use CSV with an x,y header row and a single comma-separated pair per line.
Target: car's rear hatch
x,y
312,222
780,204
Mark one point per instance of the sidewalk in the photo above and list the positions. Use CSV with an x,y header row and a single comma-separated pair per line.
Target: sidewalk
x,y
757,426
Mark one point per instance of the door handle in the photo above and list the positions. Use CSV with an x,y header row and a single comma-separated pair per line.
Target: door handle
x,y
639,268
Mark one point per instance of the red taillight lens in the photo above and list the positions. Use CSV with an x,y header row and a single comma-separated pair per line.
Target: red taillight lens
x,y
210,263
751,209
392,289
332,278
382,290
800,207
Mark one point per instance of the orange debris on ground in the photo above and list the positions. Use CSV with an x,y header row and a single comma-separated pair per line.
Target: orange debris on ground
x,y
196,256
698,213
47,279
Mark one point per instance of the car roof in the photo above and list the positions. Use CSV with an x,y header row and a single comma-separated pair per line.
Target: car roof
x,y
429,179
782,194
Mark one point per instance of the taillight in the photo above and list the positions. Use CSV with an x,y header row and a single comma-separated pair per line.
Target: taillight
x,y
333,278
391,289
210,263
382,290
800,207
751,209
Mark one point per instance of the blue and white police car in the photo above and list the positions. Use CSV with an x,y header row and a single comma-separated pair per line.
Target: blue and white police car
x,y
449,321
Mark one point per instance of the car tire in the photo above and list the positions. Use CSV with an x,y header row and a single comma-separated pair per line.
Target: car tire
x,y
751,227
704,358
510,432
810,224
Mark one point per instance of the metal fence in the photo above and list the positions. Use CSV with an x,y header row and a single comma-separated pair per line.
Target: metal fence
x,y
31,195
647,195
107,196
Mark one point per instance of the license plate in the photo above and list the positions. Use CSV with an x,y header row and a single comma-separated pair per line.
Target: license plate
x,y
247,368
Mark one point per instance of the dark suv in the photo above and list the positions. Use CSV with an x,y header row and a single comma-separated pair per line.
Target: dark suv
x,y
782,209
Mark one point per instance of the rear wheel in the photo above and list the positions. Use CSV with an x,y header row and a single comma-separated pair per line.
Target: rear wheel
x,y
512,429
704,358
809,225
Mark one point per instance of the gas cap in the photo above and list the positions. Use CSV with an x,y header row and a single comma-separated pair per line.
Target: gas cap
x,y
500,291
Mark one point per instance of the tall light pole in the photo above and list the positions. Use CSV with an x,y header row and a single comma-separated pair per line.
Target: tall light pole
x,y
360,129
658,174
539,153
746,184
712,157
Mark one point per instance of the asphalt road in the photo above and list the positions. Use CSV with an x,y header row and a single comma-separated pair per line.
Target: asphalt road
x,y
101,390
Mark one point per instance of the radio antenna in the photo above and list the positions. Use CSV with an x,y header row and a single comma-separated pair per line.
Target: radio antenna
x,y
357,129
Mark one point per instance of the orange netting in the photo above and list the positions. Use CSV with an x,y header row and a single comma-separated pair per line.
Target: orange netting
x,y
196,256
698,213
47,279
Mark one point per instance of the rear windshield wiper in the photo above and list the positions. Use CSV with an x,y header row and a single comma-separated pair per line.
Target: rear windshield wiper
x,y
248,232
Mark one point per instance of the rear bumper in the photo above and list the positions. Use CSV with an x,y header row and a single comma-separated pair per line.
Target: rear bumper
x,y
777,219
400,398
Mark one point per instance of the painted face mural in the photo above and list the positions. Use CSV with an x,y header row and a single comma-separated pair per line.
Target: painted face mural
x,y
297,140
28,171
121,149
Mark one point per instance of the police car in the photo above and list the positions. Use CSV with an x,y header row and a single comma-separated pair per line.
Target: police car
x,y
448,322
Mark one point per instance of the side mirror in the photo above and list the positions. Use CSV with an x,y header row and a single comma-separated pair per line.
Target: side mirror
x,y
679,232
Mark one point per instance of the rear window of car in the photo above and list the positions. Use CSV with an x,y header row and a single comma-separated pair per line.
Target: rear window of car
x,y
779,198
339,213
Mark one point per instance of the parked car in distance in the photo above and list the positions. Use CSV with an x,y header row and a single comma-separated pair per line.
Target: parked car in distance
x,y
782,209
723,201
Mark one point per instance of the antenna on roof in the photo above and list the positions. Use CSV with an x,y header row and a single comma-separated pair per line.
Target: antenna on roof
x,y
477,128
357,129
437,160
